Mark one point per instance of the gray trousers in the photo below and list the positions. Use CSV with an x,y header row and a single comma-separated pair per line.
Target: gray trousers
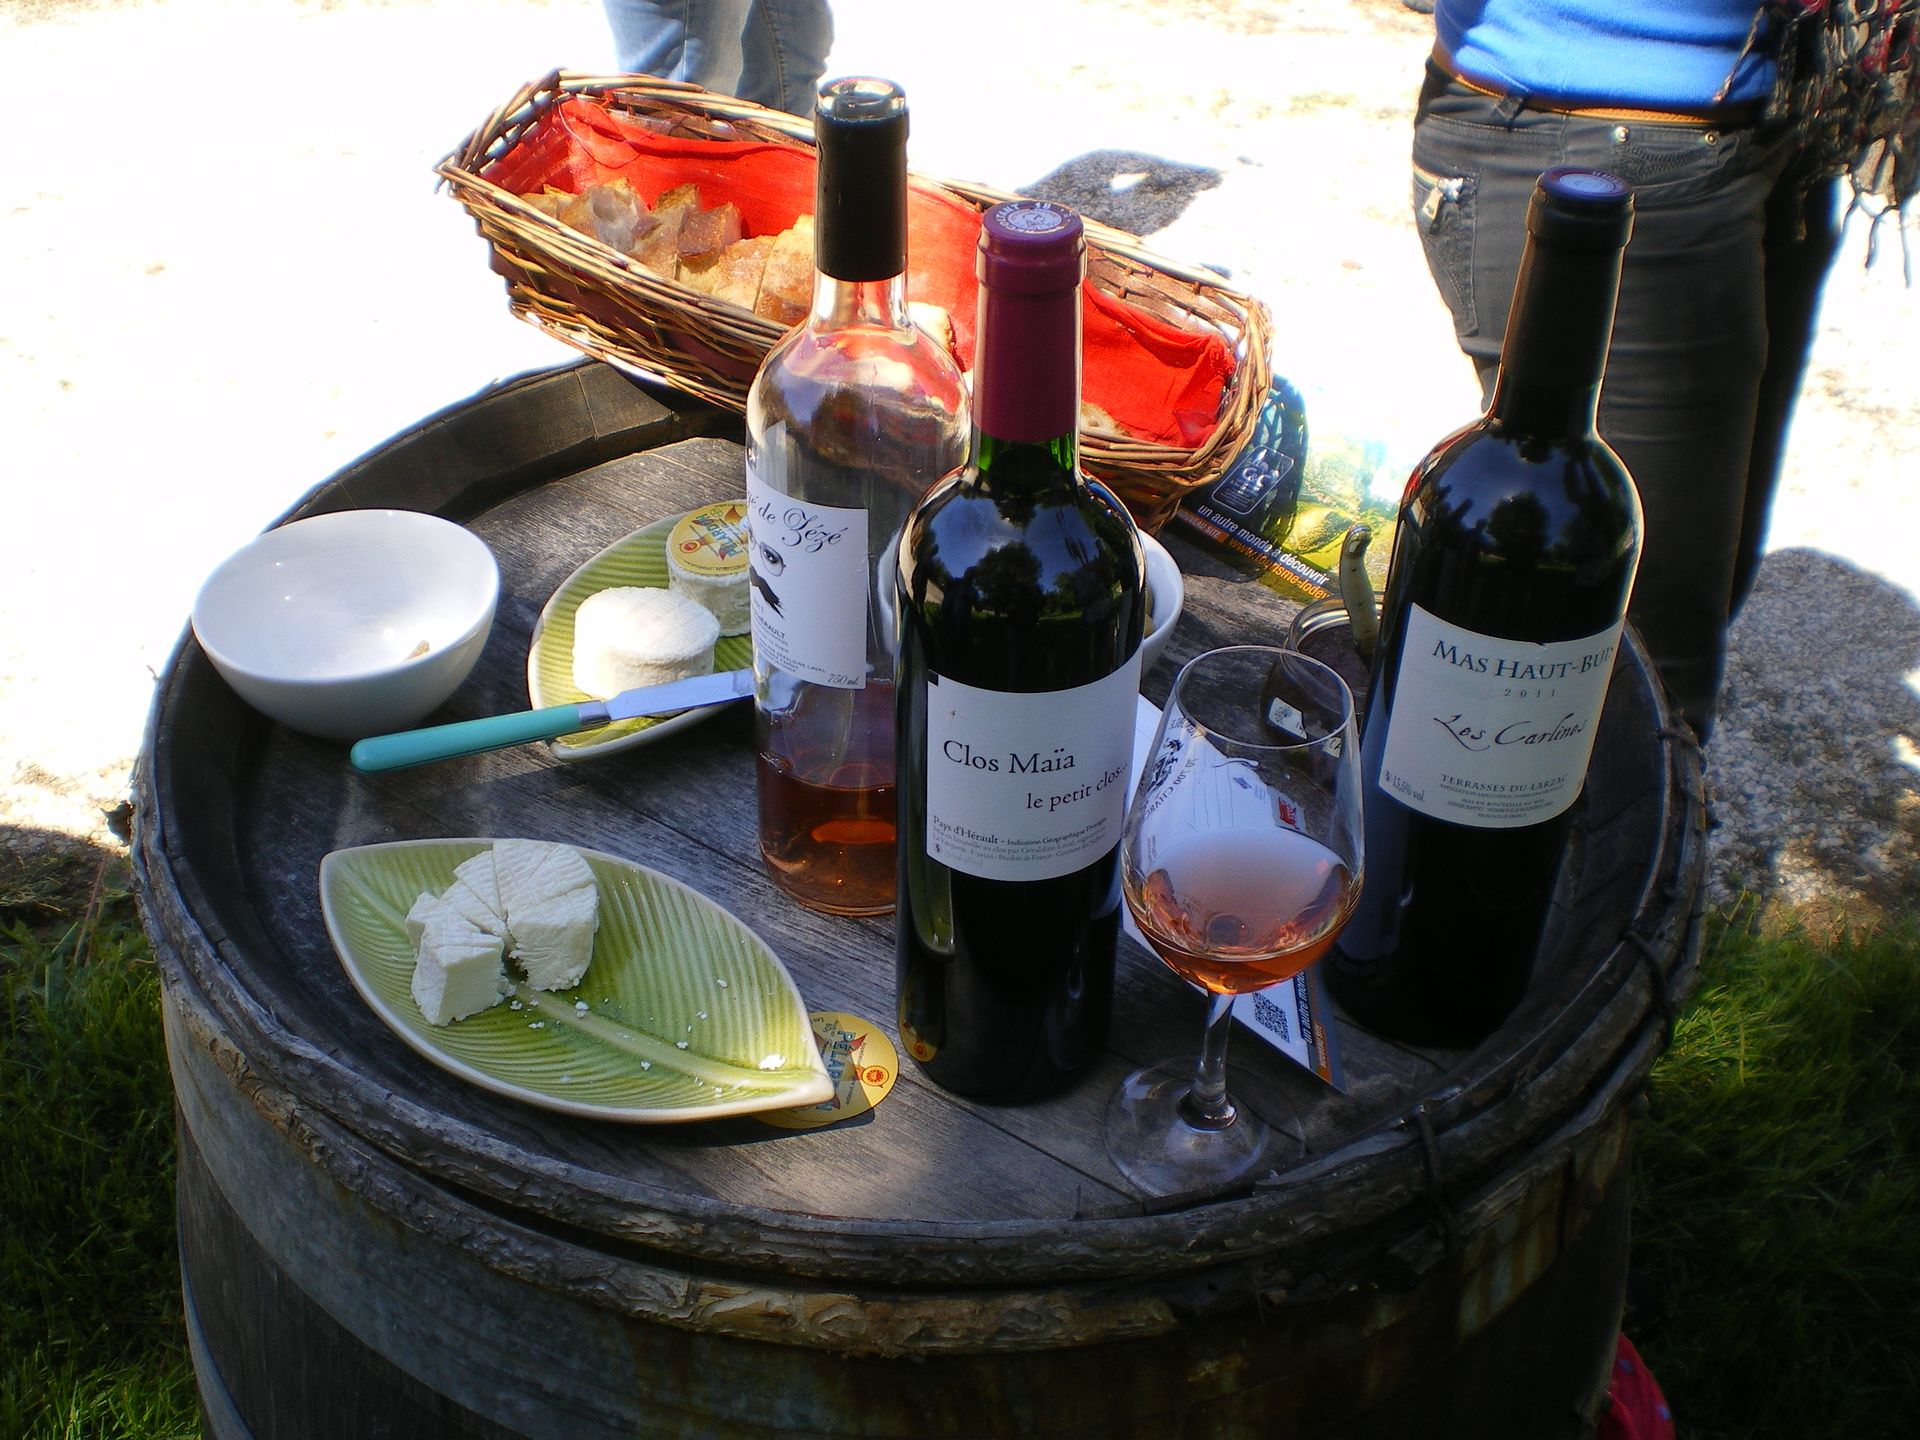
x,y
1718,301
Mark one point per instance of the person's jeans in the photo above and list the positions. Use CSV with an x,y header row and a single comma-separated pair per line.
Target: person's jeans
x,y
1718,298
772,52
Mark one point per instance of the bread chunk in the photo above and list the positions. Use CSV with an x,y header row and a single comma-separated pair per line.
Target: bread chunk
x,y
613,214
704,234
786,286
934,321
705,248
735,275
549,201
659,249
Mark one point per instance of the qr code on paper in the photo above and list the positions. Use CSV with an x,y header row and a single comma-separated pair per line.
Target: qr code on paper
x,y
1271,1017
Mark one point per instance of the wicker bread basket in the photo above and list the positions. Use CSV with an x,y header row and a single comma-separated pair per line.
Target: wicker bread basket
x,y
599,301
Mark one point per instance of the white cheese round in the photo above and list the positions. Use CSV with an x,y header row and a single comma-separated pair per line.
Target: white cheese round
x,y
632,635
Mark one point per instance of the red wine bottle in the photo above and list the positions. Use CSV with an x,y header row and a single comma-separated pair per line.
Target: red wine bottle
x,y
1021,603
1512,561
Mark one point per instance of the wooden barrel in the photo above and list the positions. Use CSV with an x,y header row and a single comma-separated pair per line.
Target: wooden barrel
x,y
371,1246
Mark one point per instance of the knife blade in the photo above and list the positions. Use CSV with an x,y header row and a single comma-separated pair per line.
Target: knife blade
x,y
495,732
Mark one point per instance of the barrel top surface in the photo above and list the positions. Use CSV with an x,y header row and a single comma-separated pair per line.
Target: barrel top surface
x,y
235,815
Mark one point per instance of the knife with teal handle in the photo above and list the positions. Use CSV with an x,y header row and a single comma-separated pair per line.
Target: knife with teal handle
x,y
496,732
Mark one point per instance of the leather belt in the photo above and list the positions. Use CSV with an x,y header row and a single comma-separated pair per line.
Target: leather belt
x,y
1720,117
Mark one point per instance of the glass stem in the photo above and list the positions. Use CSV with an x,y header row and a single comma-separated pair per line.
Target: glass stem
x,y
1206,1106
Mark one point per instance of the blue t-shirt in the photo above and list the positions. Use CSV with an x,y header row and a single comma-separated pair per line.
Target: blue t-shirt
x,y
1641,53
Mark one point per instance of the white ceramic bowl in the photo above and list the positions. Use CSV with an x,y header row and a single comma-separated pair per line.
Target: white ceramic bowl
x,y
1166,593
350,624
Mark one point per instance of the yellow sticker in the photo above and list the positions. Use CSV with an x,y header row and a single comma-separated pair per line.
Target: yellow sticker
x,y
711,541
862,1062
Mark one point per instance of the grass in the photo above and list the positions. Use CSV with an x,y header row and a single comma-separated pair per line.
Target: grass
x,y
1777,1228
91,1342
1777,1223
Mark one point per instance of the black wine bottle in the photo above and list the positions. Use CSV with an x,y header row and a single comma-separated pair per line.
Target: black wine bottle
x,y
1512,562
1021,604
1245,517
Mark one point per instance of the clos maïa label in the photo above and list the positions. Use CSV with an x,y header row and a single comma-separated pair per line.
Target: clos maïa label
x,y
1028,786
1493,733
808,568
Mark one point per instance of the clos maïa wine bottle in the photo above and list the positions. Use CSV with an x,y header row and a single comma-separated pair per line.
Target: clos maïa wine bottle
x,y
1021,606
853,414
1515,551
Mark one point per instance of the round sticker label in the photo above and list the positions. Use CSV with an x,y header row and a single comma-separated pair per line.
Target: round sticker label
x,y
712,540
862,1063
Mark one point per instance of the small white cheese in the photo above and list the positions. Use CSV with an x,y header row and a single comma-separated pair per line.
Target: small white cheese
x,y
707,563
457,971
633,635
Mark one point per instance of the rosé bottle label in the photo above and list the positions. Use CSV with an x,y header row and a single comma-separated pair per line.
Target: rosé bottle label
x,y
1028,786
1489,732
808,567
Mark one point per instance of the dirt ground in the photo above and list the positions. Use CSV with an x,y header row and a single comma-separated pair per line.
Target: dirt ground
x,y
231,274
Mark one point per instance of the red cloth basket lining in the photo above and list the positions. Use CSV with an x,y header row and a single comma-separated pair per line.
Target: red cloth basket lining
x,y
1158,381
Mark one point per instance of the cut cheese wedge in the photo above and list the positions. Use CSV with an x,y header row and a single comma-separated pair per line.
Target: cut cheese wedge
x,y
477,874
416,922
466,902
530,871
552,910
553,938
457,971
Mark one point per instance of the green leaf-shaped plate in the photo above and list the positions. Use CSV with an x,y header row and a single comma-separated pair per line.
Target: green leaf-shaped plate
x,y
687,1014
636,559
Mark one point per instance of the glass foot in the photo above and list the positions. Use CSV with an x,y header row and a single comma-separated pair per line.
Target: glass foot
x,y
1162,1148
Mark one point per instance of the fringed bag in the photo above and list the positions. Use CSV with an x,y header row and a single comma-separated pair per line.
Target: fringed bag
x,y
1847,83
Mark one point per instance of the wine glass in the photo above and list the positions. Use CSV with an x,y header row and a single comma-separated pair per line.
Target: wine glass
x,y
1240,861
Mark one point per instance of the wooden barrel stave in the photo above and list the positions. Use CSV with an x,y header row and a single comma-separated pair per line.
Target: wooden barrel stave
x,y
256,1091
382,1099
406,1270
